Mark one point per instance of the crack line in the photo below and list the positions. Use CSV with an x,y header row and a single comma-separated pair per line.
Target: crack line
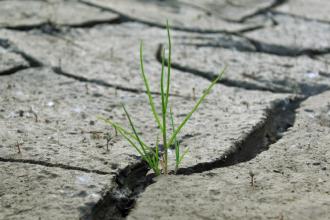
x,y
278,119
34,62
13,70
46,164
154,24
300,17
59,71
278,86
227,82
50,26
276,4
133,180
99,82
117,203
279,50
272,49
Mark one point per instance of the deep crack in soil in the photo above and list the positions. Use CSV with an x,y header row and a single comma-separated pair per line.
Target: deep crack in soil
x,y
279,118
117,203
133,180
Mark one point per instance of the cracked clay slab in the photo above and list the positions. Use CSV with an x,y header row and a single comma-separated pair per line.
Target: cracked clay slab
x,y
292,35
204,16
30,191
110,54
11,62
290,179
254,70
317,9
29,13
54,120
58,124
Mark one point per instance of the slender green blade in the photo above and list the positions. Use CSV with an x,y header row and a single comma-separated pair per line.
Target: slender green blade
x,y
131,142
157,149
207,91
177,149
184,153
168,64
163,97
127,135
163,93
146,83
117,126
145,156
134,131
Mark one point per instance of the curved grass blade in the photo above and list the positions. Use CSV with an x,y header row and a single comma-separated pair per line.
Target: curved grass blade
x,y
144,151
121,130
118,127
207,91
184,154
134,131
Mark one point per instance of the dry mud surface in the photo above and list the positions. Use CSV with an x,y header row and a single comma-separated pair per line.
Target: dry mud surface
x,y
258,146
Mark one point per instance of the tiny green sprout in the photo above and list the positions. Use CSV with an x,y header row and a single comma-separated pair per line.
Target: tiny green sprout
x,y
155,157
178,157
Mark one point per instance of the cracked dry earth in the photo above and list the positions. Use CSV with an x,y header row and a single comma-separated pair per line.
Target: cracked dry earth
x,y
258,146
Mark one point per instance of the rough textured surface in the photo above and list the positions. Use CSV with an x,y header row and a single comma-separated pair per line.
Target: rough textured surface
x,y
29,13
37,192
54,121
317,9
11,62
57,124
206,16
258,145
255,70
110,54
291,180
286,38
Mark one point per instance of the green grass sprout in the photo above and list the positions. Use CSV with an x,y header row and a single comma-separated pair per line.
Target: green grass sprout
x,y
156,158
178,157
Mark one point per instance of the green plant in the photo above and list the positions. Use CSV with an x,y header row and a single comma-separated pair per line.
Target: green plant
x,y
153,156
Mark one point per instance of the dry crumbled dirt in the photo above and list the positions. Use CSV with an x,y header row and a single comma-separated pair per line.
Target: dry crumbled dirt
x,y
258,145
